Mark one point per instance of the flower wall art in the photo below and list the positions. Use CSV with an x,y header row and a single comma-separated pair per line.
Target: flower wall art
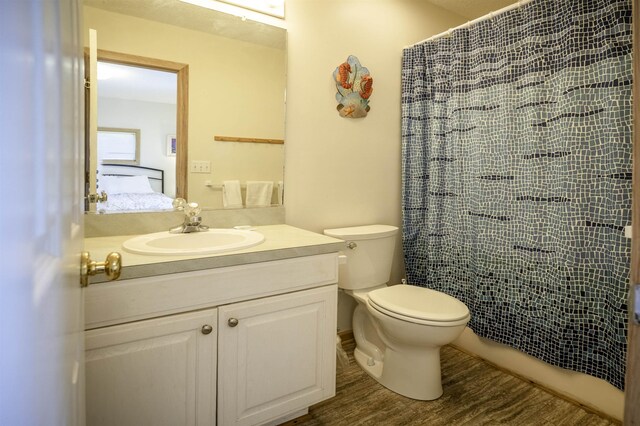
x,y
355,85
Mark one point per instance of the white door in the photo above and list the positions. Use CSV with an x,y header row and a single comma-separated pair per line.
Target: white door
x,y
155,372
41,119
278,355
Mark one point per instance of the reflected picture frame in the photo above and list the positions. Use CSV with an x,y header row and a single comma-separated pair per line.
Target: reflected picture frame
x,y
172,143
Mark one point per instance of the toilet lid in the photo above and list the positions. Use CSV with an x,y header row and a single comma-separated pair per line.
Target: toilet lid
x,y
419,303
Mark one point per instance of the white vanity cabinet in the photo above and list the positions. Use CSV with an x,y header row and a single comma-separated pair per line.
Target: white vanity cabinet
x,y
269,356
154,372
276,355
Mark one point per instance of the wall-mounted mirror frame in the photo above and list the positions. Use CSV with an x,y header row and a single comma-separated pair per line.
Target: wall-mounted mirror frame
x,y
182,115
237,81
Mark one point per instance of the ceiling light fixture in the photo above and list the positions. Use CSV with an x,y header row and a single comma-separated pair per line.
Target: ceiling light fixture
x,y
270,7
270,12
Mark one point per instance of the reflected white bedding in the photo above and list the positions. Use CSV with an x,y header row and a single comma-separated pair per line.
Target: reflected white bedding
x,y
135,202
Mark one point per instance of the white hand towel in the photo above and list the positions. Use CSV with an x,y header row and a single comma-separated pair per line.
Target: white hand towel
x,y
259,193
231,195
280,188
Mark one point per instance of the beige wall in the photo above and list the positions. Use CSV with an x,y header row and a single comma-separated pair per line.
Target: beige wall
x,y
235,89
342,172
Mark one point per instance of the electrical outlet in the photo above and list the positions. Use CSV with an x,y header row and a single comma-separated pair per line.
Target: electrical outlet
x,y
200,167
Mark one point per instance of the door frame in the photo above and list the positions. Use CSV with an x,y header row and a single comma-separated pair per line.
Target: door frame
x,y
182,104
632,388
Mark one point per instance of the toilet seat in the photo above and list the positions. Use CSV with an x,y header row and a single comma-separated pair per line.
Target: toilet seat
x,y
419,305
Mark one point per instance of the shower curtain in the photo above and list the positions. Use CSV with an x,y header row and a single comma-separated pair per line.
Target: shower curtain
x,y
516,147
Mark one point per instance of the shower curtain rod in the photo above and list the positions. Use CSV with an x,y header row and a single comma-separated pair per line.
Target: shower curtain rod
x,y
475,21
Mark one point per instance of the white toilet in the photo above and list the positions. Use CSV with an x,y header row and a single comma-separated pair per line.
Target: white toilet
x,y
398,329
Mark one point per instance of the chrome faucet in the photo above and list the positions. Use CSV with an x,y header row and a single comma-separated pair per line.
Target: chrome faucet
x,y
192,219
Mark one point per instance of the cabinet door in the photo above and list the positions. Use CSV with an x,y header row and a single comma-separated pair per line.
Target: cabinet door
x,y
155,372
276,355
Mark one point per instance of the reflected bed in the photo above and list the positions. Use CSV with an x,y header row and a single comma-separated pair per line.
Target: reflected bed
x,y
132,188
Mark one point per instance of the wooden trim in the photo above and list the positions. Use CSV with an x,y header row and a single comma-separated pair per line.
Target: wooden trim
x,y
182,116
251,140
345,335
139,61
632,380
182,133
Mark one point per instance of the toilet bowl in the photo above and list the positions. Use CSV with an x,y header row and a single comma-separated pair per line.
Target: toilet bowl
x,y
398,329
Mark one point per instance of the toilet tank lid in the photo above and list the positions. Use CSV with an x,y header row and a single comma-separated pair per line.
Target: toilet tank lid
x,y
367,232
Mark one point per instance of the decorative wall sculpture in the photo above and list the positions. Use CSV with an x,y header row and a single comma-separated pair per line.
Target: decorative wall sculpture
x,y
355,85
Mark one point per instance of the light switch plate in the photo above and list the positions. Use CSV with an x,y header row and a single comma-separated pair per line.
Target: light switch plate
x,y
200,166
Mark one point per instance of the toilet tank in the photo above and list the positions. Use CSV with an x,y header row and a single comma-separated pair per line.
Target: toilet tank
x,y
369,262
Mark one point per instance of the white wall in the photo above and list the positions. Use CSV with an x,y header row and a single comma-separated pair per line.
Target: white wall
x,y
342,172
155,121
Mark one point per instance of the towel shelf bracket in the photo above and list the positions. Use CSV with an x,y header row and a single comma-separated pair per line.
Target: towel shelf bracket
x,y
250,140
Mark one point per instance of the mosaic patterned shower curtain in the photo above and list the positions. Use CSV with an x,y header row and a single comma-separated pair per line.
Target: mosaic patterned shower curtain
x,y
517,177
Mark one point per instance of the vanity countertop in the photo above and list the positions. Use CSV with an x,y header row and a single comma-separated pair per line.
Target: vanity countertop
x,y
281,242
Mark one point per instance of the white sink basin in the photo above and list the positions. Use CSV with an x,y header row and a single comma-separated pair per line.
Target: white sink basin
x,y
206,242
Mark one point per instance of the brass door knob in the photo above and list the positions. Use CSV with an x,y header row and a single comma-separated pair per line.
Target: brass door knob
x,y
206,329
98,198
112,267
232,322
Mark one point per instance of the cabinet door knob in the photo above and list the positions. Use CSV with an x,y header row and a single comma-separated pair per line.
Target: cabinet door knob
x,y
232,322
206,329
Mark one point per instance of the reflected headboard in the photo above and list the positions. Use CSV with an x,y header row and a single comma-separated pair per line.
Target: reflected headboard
x,y
156,176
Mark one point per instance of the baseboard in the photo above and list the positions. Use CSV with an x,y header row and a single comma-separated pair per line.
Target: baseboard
x,y
347,335
564,397
295,418
298,420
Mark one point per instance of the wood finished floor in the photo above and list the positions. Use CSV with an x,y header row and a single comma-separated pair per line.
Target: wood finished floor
x,y
475,393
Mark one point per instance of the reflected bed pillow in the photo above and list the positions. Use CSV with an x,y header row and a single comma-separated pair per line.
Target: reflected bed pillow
x,y
125,185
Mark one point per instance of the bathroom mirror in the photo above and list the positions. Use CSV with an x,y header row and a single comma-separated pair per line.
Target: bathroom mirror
x,y
236,87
